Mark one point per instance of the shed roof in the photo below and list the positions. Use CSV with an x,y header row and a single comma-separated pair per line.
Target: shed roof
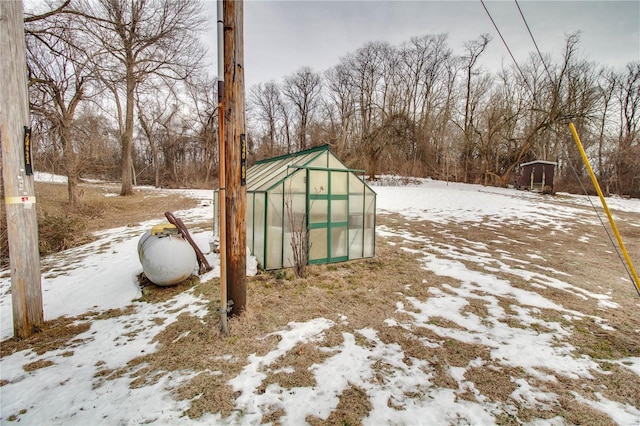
x,y
539,162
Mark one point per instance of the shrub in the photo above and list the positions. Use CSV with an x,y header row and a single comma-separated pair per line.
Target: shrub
x,y
57,233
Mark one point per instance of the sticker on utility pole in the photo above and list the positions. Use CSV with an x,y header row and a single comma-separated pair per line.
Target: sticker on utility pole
x,y
27,151
243,160
25,200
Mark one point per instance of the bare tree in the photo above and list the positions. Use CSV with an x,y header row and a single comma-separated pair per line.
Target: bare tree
x,y
607,85
59,77
341,97
474,49
140,38
202,93
628,150
153,105
427,60
266,102
287,113
366,68
302,89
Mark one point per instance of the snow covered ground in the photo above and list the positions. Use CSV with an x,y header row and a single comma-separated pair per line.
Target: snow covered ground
x,y
102,275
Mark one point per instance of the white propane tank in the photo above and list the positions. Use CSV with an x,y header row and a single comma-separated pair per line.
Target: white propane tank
x,y
166,257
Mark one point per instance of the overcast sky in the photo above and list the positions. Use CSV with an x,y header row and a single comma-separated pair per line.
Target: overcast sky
x,y
282,36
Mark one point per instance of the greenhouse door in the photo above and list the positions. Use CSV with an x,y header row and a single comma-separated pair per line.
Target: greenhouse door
x,y
328,212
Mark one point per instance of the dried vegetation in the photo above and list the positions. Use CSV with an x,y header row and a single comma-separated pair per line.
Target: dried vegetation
x,y
61,226
364,294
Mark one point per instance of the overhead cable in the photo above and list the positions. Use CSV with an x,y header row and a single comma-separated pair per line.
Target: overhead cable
x,y
534,42
507,46
628,270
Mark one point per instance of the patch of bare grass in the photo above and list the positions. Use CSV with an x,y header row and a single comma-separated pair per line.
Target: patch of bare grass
x,y
353,406
35,365
477,307
209,393
493,381
152,293
412,345
577,413
55,334
592,340
293,369
619,384
459,354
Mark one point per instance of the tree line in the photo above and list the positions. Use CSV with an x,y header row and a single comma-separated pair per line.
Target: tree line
x,y
122,90
418,109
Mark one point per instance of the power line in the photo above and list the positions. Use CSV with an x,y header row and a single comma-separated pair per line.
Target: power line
x,y
534,43
566,156
507,46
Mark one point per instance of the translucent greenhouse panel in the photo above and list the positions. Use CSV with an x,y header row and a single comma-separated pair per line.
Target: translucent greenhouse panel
x,y
319,212
250,197
297,182
259,174
356,186
356,237
271,179
258,227
339,182
320,161
274,229
294,222
287,252
339,242
295,212
369,242
338,210
318,242
369,224
334,163
356,225
318,182
255,171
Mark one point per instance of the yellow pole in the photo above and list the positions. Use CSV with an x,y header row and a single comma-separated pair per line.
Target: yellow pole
x,y
606,208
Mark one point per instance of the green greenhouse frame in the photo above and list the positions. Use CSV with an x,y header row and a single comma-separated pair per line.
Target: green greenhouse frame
x,y
310,192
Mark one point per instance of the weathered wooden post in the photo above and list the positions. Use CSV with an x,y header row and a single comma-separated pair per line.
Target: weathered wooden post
x,y
222,197
235,146
17,173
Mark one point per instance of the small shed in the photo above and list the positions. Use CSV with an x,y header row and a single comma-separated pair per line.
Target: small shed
x,y
311,192
537,176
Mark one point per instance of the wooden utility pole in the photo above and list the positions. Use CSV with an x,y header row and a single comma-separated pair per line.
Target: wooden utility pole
x,y
17,174
235,155
222,194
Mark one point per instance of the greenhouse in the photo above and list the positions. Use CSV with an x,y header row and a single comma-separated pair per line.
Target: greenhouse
x,y
313,201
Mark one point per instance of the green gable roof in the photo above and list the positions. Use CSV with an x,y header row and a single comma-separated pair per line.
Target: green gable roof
x,y
268,173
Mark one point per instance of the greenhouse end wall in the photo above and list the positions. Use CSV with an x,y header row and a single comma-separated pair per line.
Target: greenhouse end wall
x,y
340,221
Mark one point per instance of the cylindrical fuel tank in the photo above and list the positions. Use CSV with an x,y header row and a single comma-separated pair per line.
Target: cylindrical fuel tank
x,y
166,258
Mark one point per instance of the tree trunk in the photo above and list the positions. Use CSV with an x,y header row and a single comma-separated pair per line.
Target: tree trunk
x,y
70,162
127,137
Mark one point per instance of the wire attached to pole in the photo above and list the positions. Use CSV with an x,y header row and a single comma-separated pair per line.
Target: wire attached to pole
x,y
222,213
631,270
